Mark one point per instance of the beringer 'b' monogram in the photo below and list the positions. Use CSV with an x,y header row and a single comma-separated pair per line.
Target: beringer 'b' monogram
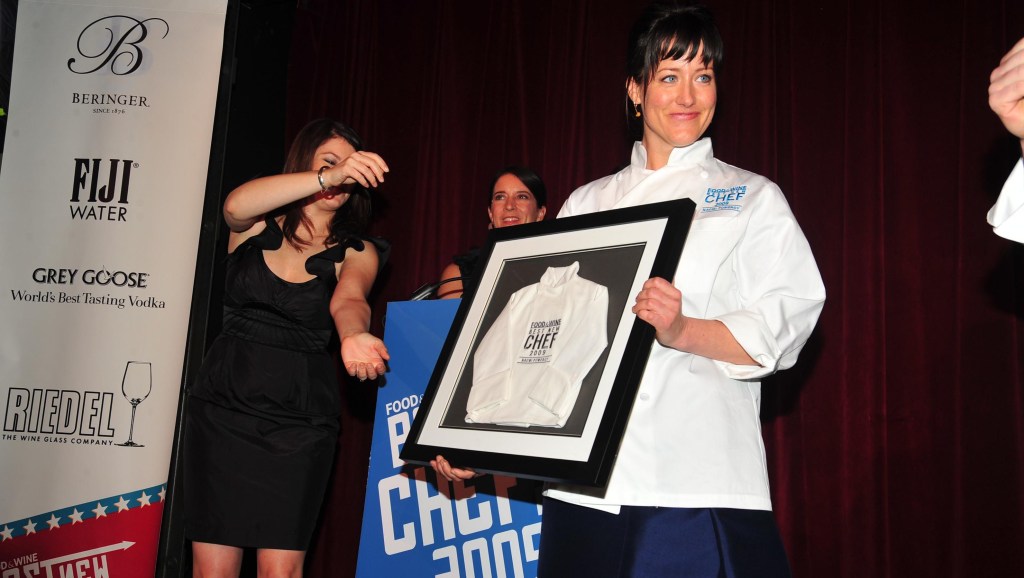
x,y
114,42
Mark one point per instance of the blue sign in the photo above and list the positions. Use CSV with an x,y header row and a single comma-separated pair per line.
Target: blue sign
x,y
416,523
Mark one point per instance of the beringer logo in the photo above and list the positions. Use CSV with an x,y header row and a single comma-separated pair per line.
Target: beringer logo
x,y
114,42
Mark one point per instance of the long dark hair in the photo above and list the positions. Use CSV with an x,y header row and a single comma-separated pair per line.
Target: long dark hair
x,y
351,218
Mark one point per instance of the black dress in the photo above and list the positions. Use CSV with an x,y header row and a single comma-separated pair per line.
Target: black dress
x,y
262,418
467,263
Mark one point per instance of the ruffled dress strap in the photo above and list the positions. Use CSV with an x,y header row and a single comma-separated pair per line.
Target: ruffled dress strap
x,y
269,239
322,264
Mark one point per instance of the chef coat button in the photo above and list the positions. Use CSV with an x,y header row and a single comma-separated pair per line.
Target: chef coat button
x,y
704,174
644,396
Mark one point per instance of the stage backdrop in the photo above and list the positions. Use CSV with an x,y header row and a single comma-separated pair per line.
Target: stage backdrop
x,y
101,190
904,417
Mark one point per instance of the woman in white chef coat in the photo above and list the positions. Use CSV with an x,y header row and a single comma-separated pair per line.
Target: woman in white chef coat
x,y
688,495
1006,97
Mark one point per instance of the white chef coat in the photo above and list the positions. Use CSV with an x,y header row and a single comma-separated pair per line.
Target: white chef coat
x,y
529,366
1007,215
694,437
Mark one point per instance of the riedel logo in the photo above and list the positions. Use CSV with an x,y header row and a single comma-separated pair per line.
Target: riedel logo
x,y
114,43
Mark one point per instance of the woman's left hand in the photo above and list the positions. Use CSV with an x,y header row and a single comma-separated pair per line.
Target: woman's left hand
x,y
660,303
364,356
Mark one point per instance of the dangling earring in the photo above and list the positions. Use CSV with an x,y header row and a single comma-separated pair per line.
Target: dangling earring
x,y
636,109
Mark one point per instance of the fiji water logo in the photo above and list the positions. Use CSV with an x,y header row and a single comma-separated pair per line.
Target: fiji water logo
x,y
99,190
114,43
724,199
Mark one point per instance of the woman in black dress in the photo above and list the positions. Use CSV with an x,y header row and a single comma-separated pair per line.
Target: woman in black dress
x,y
263,415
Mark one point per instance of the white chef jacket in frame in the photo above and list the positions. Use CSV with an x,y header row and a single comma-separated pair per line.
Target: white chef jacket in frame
x,y
694,438
528,368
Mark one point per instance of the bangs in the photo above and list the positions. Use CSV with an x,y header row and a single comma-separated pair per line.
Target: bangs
x,y
671,32
686,47
674,49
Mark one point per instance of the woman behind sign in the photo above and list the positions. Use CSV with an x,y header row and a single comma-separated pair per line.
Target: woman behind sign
x,y
517,196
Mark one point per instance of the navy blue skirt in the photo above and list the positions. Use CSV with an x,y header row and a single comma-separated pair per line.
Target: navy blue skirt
x,y
647,542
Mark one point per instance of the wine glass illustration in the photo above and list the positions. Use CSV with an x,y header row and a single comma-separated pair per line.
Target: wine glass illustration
x,y
136,386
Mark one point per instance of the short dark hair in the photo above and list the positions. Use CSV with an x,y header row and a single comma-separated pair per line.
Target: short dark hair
x,y
671,30
354,216
529,177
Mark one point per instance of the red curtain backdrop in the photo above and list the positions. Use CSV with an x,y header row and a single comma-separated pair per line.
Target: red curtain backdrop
x,y
895,445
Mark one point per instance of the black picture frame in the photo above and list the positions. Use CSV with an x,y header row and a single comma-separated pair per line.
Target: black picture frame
x,y
617,250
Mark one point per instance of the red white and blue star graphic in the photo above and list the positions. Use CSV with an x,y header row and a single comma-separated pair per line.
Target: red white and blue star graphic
x,y
115,536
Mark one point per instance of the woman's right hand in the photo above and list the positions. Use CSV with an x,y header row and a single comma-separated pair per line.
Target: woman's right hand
x,y
363,167
452,474
364,355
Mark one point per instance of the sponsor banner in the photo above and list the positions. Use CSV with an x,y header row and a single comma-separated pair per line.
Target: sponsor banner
x,y
116,536
101,190
416,523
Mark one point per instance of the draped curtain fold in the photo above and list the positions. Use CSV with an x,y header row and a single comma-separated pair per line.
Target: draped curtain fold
x,y
895,445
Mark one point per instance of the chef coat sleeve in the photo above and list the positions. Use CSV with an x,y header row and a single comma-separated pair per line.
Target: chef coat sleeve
x,y
491,366
780,289
1007,215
